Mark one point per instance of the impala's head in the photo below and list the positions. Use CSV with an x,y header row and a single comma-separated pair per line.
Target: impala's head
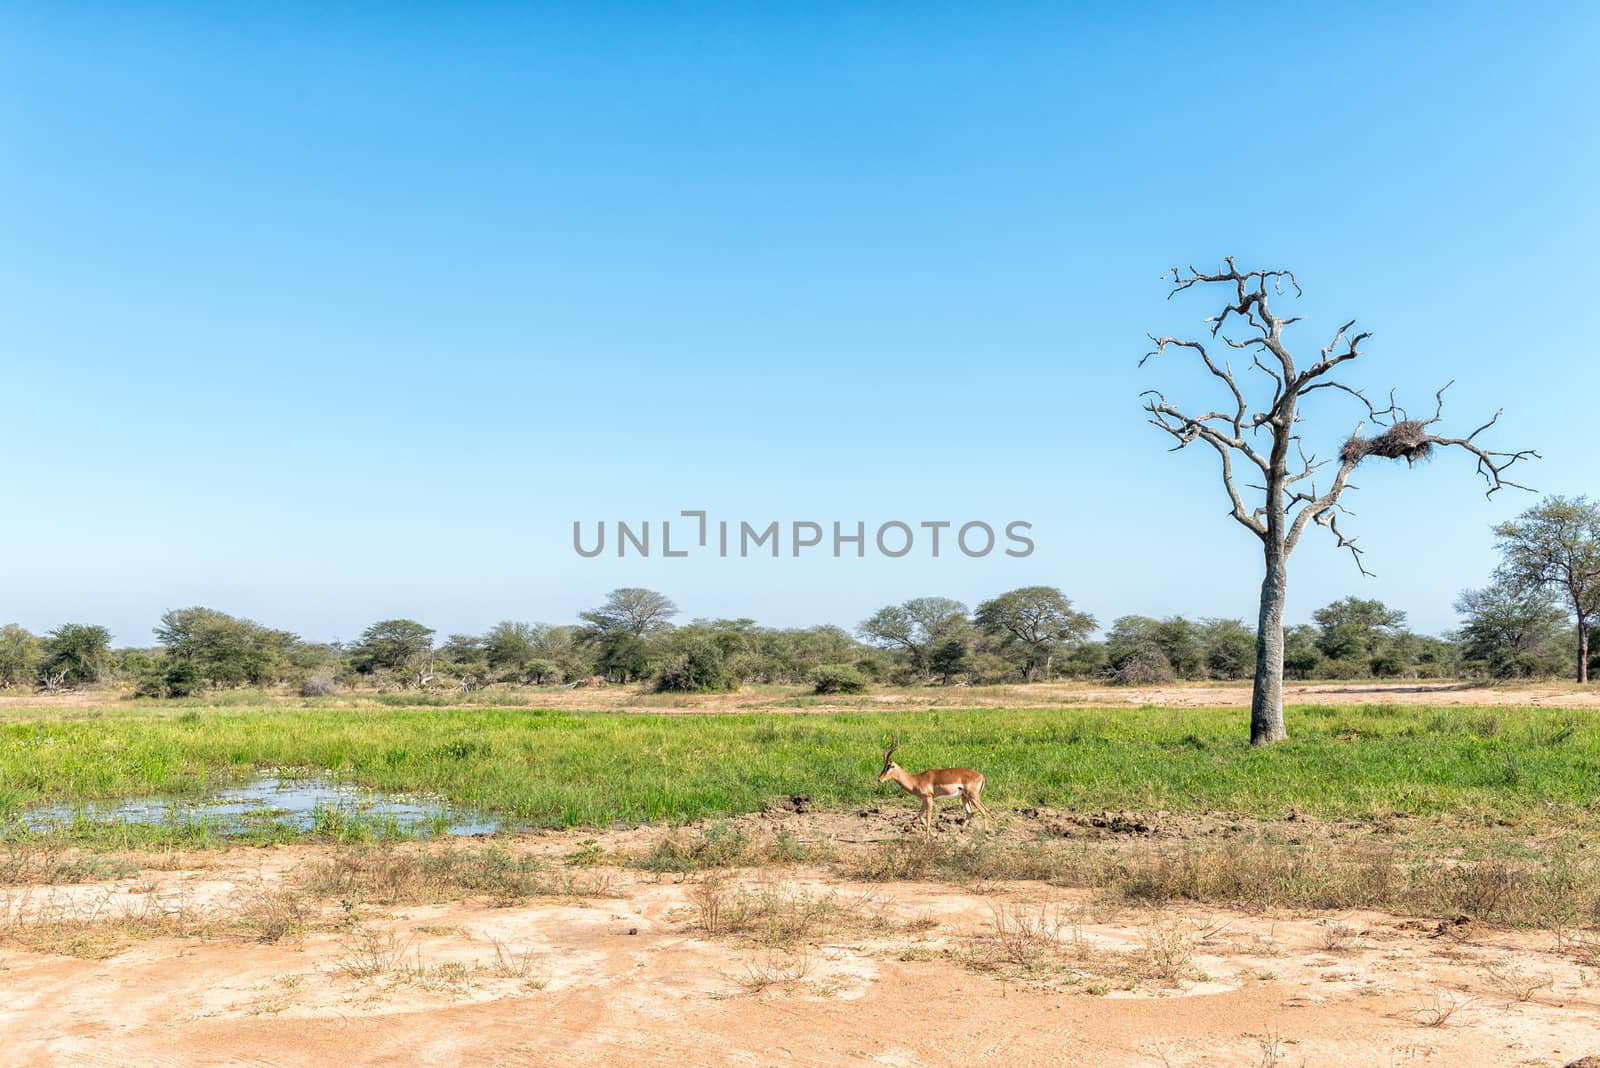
x,y
888,761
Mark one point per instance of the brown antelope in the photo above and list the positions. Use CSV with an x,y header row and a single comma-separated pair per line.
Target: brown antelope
x,y
938,782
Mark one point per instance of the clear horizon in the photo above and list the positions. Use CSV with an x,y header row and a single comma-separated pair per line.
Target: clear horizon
x,y
326,317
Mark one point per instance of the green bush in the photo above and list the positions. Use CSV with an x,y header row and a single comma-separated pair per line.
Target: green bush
x,y
182,679
698,669
837,678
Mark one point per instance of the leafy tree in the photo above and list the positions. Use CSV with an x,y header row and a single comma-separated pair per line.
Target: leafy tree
x,y
1084,660
948,659
465,653
697,669
21,653
402,646
1036,623
630,610
512,647
1435,658
1354,629
1300,656
1555,546
1511,632
621,655
914,627
79,652
1175,638
1230,648
224,650
618,631
560,646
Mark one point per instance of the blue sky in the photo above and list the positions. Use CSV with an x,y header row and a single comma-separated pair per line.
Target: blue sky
x,y
328,313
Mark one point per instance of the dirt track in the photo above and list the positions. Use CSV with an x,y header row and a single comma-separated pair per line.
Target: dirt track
x,y
908,975
799,700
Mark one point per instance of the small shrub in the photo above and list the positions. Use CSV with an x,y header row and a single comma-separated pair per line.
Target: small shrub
x,y
319,686
837,678
1147,666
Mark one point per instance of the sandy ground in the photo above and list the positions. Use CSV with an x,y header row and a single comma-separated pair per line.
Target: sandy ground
x,y
624,972
798,699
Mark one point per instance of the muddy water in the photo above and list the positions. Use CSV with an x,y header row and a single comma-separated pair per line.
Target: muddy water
x,y
292,800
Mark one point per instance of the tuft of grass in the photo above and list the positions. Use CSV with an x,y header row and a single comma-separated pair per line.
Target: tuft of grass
x,y
392,874
367,953
524,964
1515,981
1027,938
773,914
783,969
1167,952
269,913
722,845
1337,936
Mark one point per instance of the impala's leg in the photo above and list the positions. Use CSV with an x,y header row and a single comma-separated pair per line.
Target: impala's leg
x,y
977,799
927,816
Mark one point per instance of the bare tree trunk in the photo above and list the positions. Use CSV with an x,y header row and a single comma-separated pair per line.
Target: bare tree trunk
x,y
1266,697
1583,650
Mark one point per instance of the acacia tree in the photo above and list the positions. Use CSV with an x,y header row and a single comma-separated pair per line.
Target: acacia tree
x,y
1260,437
1555,547
631,610
914,626
1039,619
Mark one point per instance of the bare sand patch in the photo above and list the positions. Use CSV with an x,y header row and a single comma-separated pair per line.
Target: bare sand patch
x,y
807,967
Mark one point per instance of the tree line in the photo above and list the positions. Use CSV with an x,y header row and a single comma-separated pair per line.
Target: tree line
x,y
1515,627
1527,622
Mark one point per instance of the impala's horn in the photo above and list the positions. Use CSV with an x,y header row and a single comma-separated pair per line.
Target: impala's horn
x,y
889,752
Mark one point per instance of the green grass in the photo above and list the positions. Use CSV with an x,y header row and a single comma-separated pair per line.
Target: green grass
x,y
547,768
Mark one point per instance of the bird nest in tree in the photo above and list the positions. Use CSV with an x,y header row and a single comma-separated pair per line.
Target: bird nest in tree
x,y
1405,440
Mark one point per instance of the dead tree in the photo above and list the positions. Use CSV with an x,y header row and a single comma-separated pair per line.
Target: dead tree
x,y
1256,440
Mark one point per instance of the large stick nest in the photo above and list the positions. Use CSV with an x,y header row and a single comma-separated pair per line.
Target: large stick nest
x,y
1405,440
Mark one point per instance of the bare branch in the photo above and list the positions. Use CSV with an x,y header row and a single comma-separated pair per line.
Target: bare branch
x,y
1332,523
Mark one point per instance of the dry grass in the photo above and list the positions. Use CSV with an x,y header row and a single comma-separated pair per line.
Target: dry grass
x,y
55,865
776,915
1441,1008
1033,938
781,969
1167,953
367,953
1273,1049
524,964
1336,936
1515,981
269,913
47,921
389,875
724,845
1548,890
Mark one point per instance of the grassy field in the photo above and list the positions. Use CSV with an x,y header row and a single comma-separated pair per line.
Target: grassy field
x,y
546,769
